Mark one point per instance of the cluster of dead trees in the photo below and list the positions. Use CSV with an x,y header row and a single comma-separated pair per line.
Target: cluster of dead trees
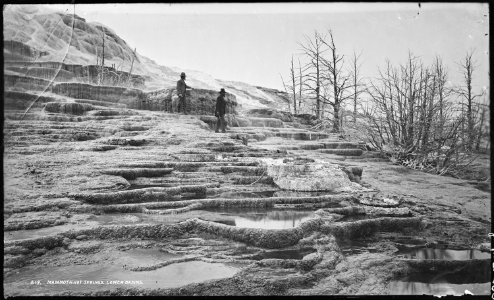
x,y
422,120
411,111
325,80
113,75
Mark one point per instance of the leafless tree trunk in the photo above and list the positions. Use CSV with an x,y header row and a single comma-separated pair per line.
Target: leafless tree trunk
x,y
468,67
313,48
101,67
442,92
337,80
294,87
481,125
300,86
286,91
131,66
356,83
103,56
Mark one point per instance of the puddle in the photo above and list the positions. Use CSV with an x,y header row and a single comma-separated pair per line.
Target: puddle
x,y
285,254
439,283
437,289
464,275
266,219
443,254
97,277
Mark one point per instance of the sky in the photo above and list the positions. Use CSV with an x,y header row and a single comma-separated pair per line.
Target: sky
x,y
254,42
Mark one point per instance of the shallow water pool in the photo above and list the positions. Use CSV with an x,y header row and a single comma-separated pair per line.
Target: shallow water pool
x,y
30,281
443,254
266,219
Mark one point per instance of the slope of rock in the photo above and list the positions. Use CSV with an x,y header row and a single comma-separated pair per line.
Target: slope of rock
x,y
35,33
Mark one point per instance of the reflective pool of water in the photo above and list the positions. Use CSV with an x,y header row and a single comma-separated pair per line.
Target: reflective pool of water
x,y
443,254
437,289
451,282
267,219
96,277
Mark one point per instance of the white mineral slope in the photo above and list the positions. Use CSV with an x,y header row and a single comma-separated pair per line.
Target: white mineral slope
x,y
252,97
50,32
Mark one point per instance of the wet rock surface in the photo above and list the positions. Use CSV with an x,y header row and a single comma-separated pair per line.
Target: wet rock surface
x,y
310,177
158,204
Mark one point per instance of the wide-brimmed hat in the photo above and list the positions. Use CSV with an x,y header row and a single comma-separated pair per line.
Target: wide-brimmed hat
x,y
182,74
222,91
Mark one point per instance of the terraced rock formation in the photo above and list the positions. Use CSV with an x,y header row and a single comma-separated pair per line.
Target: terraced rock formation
x,y
139,194
61,72
107,191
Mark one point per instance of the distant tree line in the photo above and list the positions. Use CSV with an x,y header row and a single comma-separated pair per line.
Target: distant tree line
x,y
411,111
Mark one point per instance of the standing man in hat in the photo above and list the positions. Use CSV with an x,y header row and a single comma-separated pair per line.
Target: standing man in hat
x,y
220,111
181,88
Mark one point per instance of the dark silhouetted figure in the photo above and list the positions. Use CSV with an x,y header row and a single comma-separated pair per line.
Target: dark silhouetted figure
x,y
181,88
220,111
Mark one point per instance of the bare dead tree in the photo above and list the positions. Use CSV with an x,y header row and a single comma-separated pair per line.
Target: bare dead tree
x,y
131,66
286,91
481,110
293,87
337,78
101,67
103,55
313,49
300,85
357,84
466,93
97,57
442,91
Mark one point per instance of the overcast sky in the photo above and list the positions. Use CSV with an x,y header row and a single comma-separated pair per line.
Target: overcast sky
x,y
253,43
